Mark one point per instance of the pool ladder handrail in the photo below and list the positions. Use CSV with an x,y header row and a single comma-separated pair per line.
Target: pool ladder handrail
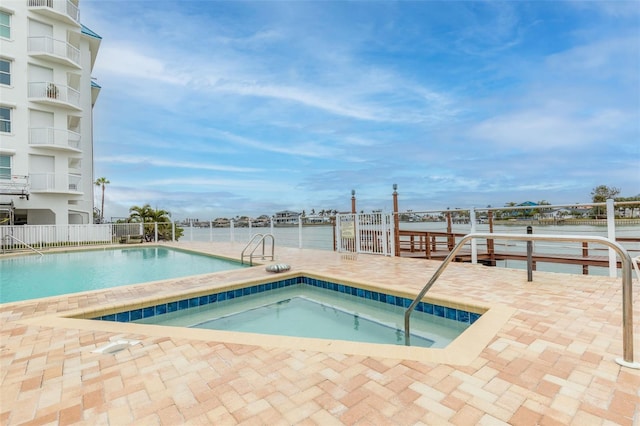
x,y
260,242
6,237
627,284
636,265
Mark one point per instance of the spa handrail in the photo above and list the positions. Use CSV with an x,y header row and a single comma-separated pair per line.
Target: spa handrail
x,y
261,242
627,293
23,243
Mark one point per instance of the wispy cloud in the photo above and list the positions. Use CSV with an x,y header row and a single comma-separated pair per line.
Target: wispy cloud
x,y
168,162
531,131
214,107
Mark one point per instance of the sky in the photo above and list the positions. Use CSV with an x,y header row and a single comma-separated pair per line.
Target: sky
x,y
224,108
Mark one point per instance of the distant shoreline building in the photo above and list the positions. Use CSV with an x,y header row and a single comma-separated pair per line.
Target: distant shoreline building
x,y
46,112
286,217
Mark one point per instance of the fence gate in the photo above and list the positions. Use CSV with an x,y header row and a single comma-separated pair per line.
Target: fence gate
x,y
370,233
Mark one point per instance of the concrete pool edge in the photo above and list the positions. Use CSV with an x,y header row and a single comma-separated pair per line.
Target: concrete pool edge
x,y
462,351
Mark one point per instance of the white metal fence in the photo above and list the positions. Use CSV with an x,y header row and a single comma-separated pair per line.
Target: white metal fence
x,y
44,236
375,234
295,235
371,233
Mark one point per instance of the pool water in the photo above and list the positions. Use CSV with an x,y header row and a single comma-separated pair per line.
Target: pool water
x,y
32,276
302,310
303,317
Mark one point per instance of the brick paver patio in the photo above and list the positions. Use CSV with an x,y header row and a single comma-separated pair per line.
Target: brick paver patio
x,y
550,363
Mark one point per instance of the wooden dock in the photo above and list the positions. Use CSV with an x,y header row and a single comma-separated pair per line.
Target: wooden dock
x,y
438,245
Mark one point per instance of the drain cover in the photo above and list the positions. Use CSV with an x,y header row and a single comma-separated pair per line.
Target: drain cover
x,y
115,346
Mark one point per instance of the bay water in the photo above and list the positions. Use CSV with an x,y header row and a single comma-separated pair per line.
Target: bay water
x,y
321,237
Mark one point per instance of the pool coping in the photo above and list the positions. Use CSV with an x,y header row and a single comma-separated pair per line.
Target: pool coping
x,y
462,351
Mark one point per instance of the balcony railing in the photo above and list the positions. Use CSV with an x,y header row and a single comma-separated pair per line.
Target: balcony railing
x,y
59,9
55,182
54,94
55,50
16,185
48,137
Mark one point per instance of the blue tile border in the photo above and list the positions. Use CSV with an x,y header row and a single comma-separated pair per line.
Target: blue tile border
x,y
191,302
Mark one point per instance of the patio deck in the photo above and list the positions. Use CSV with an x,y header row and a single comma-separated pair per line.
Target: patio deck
x,y
552,362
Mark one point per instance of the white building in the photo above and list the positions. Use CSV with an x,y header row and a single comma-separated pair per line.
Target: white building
x,y
286,217
46,112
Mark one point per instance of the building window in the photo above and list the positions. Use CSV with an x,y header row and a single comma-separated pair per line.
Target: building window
x,y
5,120
5,167
5,72
5,25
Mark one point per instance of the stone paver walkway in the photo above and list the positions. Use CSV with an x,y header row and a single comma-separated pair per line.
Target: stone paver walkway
x,y
551,363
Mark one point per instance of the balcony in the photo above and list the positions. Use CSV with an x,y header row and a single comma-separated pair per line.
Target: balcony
x,y
63,10
54,94
17,185
55,183
60,139
50,49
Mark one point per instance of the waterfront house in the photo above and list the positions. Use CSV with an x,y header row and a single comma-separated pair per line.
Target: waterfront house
x,y
286,217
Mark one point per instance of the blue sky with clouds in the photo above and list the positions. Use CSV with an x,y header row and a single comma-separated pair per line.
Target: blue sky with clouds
x,y
224,108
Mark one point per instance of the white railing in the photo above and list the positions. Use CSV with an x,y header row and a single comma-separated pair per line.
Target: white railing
x,y
16,185
48,236
49,91
63,7
50,46
56,137
55,182
323,237
74,182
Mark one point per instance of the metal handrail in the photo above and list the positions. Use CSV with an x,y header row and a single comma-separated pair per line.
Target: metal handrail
x,y
262,239
627,294
636,265
23,243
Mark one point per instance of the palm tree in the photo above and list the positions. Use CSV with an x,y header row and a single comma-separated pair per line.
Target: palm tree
x,y
103,181
160,216
140,214
146,214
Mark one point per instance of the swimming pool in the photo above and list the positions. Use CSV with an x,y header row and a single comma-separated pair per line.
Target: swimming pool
x,y
31,276
346,313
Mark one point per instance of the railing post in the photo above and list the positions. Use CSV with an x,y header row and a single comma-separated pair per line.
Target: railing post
x,y
396,221
450,238
300,231
585,254
474,243
529,255
191,231
210,231
385,232
611,234
231,233
490,243
335,241
357,236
